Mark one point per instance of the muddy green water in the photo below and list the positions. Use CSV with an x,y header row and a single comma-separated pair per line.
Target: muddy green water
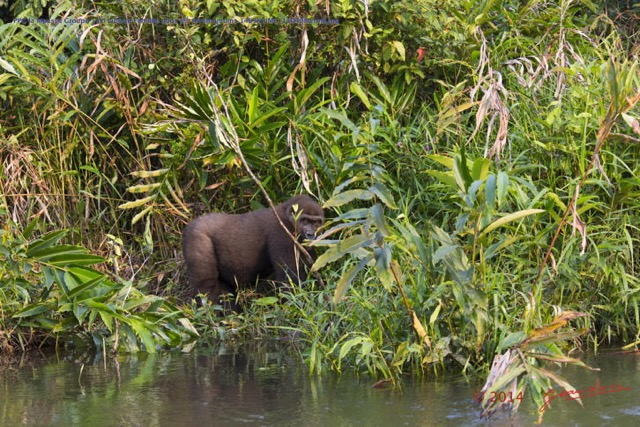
x,y
268,385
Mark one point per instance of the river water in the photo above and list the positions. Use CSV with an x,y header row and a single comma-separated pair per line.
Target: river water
x,y
269,385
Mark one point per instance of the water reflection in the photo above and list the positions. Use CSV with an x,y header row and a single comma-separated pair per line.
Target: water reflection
x,y
266,384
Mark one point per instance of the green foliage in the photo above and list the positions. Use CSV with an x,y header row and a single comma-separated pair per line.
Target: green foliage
x,y
50,292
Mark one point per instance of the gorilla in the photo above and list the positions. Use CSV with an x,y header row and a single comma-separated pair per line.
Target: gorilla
x,y
226,252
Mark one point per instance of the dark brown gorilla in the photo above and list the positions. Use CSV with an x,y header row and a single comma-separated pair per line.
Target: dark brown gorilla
x,y
227,252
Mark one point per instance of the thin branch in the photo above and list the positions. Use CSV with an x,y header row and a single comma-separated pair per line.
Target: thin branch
x,y
233,141
603,134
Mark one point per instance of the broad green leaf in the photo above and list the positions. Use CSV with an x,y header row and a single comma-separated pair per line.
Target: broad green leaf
x,y
92,319
377,215
74,259
509,218
148,236
443,251
258,124
77,289
383,194
459,174
253,105
442,236
188,326
382,88
29,229
100,306
133,303
197,105
503,186
444,177
434,315
510,340
383,260
357,90
446,161
266,301
399,48
80,312
49,275
348,182
44,242
158,303
461,169
84,274
347,278
348,345
357,214
495,248
45,323
342,118
107,318
31,310
341,249
145,335
213,136
490,191
348,196
472,193
480,169
612,80
307,93
58,252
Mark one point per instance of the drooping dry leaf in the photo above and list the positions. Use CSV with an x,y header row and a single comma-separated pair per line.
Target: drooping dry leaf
x,y
579,225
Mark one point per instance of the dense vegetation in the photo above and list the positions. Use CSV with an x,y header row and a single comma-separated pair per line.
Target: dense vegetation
x,y
478,161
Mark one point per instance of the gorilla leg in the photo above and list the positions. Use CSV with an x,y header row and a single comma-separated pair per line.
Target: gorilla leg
x,y
202,264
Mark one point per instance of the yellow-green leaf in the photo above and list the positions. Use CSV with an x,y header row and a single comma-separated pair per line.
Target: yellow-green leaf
x,y
509,218
357,90
150,174
143,188
137,203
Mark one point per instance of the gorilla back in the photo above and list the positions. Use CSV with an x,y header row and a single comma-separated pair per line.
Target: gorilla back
x,y
226,252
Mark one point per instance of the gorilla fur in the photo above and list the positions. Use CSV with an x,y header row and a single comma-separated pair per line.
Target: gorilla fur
x,y
226,252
